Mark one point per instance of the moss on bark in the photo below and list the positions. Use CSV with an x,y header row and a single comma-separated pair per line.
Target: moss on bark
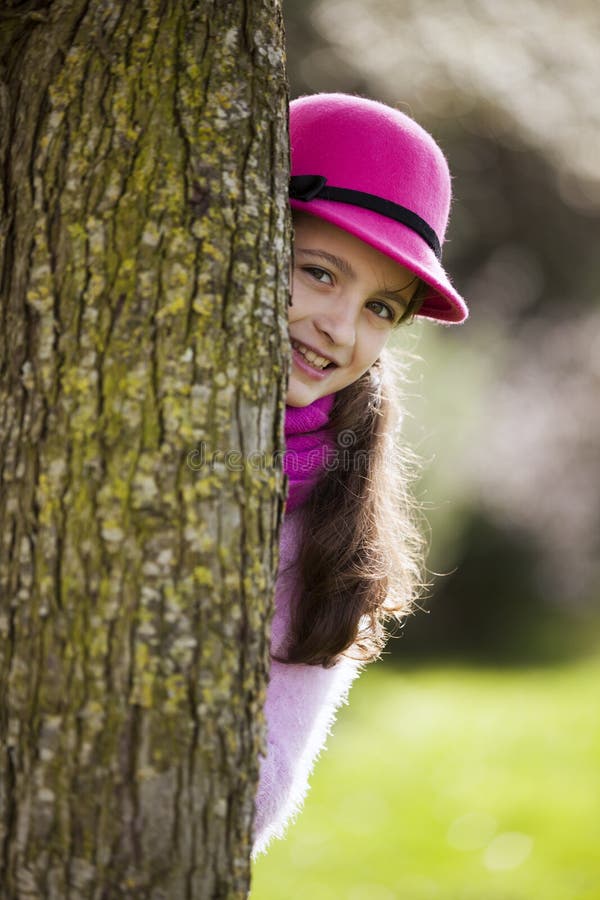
x,y
144,253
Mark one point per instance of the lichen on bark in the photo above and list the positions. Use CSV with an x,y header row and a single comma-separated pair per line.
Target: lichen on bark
x,y
144,253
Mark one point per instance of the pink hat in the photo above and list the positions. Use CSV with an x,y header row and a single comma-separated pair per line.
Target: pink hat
x,y
374,172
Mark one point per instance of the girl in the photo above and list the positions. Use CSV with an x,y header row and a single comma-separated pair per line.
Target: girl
x,y
370,196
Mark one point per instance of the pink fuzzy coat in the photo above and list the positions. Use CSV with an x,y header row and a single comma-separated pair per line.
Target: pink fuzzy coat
x,y
301,706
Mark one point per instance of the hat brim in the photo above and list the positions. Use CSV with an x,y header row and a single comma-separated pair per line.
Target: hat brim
x,y
444,304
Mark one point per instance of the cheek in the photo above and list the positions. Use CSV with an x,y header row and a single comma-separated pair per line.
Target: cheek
x,y
372,343
293,312
382,341
299,302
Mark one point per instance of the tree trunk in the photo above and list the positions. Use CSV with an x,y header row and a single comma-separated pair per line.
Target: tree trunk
x,y
144,278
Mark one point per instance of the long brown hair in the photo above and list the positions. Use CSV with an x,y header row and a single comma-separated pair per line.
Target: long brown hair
x,y
361,551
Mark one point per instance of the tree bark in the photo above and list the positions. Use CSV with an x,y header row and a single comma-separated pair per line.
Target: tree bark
x,y
144,283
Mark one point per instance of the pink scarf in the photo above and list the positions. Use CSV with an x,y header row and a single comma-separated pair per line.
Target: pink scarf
x,y
308,447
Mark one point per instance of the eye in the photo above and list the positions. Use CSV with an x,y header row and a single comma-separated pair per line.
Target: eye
x,y
319,274
389,313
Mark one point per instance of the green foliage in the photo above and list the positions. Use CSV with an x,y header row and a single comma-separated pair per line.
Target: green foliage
x,y
452,783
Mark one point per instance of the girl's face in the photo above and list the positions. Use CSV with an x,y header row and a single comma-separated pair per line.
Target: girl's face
x,y
346,298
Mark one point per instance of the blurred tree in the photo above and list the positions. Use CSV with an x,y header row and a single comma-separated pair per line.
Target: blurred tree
x,y
144,276
489,609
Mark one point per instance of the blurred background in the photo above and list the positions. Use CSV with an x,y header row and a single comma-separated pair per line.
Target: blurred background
x,y
466,765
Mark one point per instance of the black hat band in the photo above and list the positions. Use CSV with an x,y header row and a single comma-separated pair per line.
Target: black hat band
x,y
314,187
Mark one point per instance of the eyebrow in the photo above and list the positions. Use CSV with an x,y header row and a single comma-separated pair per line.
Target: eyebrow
x,y
346,269
342,264
397,296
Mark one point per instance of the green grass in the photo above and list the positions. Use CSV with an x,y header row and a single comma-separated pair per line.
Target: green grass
x,y
452,783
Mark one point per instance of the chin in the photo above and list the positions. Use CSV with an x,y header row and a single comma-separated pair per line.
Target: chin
x,y
294,401
300,396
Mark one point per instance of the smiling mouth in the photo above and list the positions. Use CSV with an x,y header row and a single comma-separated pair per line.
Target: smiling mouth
x,y
320,363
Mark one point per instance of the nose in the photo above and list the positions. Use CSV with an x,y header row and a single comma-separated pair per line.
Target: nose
x,y
338,322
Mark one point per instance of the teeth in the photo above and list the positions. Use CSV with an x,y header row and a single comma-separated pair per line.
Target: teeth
x,y
319,362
